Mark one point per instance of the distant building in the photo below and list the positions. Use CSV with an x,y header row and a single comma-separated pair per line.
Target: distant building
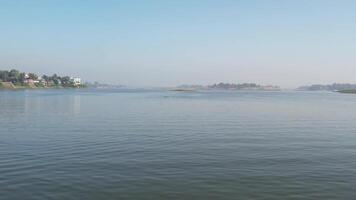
x,y
42,81
49,83
76,81
29,81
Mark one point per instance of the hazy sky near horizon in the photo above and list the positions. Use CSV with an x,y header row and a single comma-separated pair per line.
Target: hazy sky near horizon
x,y
166,43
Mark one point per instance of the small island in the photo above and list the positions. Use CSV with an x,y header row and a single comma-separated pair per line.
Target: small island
x,y
14,79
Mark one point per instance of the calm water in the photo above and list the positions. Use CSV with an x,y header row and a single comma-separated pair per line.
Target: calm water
x,y
68,144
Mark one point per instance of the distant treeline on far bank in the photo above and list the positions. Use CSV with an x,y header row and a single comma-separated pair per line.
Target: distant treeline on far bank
x,y
231,86
13,79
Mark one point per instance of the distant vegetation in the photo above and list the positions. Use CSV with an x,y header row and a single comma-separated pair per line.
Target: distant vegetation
x,y
352,91
19,79
332,87
243,86
231,86
103,85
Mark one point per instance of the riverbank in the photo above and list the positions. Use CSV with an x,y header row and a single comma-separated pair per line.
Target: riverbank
x,y
352,91
11,86
7,85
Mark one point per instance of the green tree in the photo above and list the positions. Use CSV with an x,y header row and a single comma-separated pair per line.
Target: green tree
x,y
32,76
22,77
14,75
65,80
46,78
55,78
4,75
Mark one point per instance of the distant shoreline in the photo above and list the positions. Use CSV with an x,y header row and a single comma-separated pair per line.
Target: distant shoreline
x,y
14,79
351,91
182,90
11,86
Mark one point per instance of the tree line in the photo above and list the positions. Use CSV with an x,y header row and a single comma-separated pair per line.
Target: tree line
x,y
17,77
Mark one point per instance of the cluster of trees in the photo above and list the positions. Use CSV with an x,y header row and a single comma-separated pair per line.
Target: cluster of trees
x,y
58,80
332,87
234,86
17,77
231,86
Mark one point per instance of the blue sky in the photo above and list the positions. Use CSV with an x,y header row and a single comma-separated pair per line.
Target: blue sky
x,y
166,43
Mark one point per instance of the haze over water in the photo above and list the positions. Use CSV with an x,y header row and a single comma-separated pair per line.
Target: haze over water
x,y
139,144
169,43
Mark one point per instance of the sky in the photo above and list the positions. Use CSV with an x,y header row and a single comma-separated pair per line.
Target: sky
x,y
172,42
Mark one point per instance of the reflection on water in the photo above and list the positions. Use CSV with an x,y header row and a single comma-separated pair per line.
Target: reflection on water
x,y
38,102
76,104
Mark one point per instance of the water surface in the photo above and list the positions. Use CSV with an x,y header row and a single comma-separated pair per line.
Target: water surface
x,y
138,144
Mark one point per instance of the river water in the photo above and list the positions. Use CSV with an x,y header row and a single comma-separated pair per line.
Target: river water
x,y
155,144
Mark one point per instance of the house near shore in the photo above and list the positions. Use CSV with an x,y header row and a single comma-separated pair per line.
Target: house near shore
x,y
33,80
76,81
30,80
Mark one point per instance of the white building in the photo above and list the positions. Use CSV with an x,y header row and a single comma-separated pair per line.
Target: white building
x,y
76,80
